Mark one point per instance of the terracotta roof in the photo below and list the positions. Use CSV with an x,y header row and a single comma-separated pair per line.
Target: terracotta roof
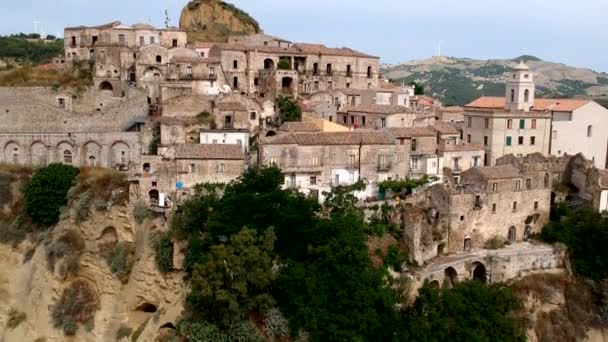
x,y
408,132
561,105
231,106
499,172
332,138
378,109
298,49
445,128
299,127
211,151
452,109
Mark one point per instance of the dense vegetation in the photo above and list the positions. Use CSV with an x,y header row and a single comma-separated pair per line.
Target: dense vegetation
x,y
24,50
47,193
288,109
585,232
277,259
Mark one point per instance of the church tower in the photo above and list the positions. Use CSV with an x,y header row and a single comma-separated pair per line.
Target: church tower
x,y
520,89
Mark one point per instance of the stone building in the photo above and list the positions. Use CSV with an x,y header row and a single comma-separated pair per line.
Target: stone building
x,y
420,144
520,124
497,201
314,162
300,69
375,116
454,154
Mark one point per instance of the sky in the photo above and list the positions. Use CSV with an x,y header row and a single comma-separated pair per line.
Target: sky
x,y
565,31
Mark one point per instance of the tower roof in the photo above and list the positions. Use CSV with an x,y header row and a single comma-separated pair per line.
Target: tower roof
x,y
521,66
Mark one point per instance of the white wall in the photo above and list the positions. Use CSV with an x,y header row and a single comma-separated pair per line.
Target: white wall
x,y
604,201
570,136
226,138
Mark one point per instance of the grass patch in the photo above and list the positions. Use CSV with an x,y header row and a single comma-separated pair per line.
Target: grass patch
x,y
163,246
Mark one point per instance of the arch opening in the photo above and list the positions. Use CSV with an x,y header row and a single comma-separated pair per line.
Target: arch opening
x,y
146,307
268,64
451,277
480,273
105,85
154,197
168,325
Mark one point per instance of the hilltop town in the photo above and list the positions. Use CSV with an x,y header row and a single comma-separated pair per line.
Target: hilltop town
x,y
469,187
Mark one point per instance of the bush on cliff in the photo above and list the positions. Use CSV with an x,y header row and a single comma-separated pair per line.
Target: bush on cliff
x,y
47,193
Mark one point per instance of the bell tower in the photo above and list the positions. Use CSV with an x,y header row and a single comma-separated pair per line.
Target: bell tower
x,y
520,89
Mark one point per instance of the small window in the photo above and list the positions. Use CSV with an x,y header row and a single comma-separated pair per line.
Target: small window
x,y
191,168
518,185
235,64
468,138
509,124
520,140
589,131
515,206
221,168
487,123
159,59
469,122
528,184
152,40
535,205
414,144
188,70
493,208
532,141
513,93
522,124
313,180
494,187
141,41
533,126
256,81
121,38
509,141
253,115
174,43
462,218
485,140
526,94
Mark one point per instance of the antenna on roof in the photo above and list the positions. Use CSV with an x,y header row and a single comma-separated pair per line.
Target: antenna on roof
x,y
167,19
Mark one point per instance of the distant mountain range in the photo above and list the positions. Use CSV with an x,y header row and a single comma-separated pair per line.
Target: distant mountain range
x,y
458,81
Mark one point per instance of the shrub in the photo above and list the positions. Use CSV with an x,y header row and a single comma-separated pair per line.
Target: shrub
x,y
275,324
82,205
164,252
15,318
16,231
47,193
120,259
288,109
6,195
70,243
242,331
123,331
77,305
496,242
395,258
140,212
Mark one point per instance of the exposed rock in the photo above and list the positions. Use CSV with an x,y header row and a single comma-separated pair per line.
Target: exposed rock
x,y
215,20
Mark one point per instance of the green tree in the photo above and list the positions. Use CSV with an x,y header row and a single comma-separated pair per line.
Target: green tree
x,y
418,87
585,232
288,109
470,311
236,279
47,192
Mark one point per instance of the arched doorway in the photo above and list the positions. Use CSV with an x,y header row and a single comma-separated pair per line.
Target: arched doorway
x,y
105,85
480,273
268,64
286,84
92,161
451,277
512,234
154,197
440,249
467,244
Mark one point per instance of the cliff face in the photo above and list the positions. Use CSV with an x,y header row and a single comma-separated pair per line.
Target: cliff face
x,y
215,20
102,249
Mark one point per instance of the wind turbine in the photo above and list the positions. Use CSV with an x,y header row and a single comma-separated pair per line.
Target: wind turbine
x,y
439,47
36,22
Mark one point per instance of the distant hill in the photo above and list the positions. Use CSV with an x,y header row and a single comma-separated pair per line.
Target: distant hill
x,y
457,81
215,20
16,50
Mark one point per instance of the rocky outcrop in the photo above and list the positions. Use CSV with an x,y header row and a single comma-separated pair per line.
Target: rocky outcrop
x,y
215,20
145,302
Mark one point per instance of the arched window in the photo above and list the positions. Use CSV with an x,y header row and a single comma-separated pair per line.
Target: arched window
x,y
589,131
16,155
92,160
512,234
67,157
467,244
526,95
512,95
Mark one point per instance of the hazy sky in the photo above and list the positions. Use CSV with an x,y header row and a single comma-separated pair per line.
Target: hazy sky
x,y
566,31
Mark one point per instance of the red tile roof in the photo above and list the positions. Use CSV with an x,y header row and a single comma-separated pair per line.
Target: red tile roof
x,y
561,105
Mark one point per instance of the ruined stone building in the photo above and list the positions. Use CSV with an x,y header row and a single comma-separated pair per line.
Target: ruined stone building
x,y
520,124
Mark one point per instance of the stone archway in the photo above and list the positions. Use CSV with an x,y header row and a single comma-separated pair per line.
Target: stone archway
x,y
451,277
105,85
268,64
480,272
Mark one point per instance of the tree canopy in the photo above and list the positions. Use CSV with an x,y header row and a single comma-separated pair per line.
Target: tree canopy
x,y
288,109
47,192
